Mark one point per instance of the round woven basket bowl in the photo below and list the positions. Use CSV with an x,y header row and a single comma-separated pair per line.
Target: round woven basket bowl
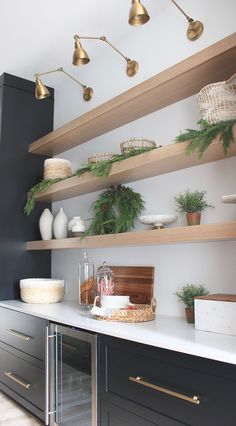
x,y
217,101
136,143
41,290
101,156
55,168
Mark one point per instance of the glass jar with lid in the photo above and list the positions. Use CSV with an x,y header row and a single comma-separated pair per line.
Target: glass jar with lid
x,y
105,285
86,282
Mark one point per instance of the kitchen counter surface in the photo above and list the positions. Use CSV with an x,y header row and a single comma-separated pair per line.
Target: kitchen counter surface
x,y
166,332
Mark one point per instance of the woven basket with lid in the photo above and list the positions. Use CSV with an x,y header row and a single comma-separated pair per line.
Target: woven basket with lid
x,y
217,101
55,168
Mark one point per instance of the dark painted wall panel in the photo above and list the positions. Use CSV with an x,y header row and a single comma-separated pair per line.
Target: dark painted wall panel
x,y
23,120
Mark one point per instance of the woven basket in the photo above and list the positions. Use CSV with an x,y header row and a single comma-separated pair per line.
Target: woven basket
x,y
101,156
136,143
55,168
142,313
37,290
217,101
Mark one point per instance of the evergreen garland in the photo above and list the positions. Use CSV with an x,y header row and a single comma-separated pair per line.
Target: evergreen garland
x,y
100,169
115,211
201,139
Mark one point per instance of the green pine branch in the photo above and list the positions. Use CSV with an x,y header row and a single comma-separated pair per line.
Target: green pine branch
x,y
201,139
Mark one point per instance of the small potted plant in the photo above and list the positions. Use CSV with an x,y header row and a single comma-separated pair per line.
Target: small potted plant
x,y
192,204
186,295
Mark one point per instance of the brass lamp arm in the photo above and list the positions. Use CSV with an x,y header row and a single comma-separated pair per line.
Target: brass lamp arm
x,y
60,70
103,38
182,11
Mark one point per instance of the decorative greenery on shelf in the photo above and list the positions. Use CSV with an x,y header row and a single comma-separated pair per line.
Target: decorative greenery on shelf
x,y
99,169
188,292
115,211
201,139
191,202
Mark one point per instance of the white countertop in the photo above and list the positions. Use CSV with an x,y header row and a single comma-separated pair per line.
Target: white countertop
x,y
165,332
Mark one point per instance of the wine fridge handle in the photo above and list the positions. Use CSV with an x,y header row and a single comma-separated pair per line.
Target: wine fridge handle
x,y
48,338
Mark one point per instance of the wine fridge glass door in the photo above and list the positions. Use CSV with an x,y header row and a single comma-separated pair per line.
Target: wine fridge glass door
x,y
75,378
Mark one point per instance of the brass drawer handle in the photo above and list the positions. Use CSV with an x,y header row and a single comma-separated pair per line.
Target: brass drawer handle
x,y
16,379
19,335
193,399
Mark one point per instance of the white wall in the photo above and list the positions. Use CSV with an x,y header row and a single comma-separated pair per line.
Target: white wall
x,y
157,45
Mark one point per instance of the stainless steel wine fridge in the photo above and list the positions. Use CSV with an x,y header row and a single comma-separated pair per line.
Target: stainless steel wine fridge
x,y
71,378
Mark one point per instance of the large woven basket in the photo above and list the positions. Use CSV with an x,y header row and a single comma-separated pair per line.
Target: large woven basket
x,y
136,143
142,313
55,168
41,290
217,101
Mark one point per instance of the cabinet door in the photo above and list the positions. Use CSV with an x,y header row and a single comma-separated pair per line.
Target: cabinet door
x,y
112,415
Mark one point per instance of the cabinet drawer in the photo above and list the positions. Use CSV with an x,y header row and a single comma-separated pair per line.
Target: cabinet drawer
x,y
23,378
23,332
181,387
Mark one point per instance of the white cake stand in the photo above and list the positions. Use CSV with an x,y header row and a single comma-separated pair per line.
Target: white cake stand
x,y
229,199
158,220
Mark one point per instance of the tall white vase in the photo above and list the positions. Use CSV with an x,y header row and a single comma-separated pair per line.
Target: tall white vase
x,y
45,225
60,225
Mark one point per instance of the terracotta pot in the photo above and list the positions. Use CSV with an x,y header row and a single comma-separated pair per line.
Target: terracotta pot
x,y
193,218
189,315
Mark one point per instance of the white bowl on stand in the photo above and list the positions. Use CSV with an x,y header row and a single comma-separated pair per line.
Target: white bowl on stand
x,y
158,220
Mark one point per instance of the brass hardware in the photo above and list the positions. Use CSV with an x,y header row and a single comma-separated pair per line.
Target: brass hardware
x,y
80,56
41,91
17,380
138,15
19,335
193,399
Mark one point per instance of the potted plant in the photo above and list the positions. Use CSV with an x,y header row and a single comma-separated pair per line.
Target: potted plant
x,y
192,204
186,295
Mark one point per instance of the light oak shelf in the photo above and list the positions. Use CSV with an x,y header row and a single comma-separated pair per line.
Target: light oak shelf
x,y
185,234
215,63
230,199
153,163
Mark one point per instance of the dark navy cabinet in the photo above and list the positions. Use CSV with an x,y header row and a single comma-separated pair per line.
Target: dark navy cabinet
x,y
143,385
23,119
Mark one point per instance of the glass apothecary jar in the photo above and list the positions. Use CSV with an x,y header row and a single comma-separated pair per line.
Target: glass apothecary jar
x,y
105,285
86,282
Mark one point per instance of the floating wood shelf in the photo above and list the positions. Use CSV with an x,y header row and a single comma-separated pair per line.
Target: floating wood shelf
x,y
215,63
153,163
184,234
230,199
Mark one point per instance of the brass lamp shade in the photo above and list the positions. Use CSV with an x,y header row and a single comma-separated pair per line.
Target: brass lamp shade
x,y
80,56
138,14
41,91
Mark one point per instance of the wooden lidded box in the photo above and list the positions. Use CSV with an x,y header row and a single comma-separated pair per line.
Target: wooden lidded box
x,y
216,313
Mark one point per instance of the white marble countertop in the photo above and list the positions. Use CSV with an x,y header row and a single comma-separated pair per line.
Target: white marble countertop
x,y
165,332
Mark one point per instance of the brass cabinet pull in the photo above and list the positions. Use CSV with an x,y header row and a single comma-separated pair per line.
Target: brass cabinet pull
x,y
193,399
16,379
19,335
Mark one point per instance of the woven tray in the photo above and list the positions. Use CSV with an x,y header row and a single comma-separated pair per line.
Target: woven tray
x,y
136,143
101,156
142,313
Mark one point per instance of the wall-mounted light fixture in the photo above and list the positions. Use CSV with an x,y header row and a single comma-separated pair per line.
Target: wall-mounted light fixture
x,y
138,15
42,92
80,56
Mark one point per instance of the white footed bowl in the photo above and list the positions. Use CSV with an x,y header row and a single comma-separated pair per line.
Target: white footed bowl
x,y
158,220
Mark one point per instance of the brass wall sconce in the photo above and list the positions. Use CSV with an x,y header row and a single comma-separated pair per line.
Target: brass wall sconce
x,y
42,92
80,56
138,15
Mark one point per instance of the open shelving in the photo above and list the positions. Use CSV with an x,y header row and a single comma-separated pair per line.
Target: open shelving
x,y
215,63
153,163
184,234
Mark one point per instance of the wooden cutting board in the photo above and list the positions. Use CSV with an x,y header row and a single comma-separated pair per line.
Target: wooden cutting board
x,y
134,281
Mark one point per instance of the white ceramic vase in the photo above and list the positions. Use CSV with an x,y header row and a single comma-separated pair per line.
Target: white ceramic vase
x,y
45,225
60,225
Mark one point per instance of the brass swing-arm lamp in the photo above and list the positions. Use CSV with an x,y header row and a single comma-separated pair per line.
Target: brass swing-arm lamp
x,y
138,15
42,92
80,56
